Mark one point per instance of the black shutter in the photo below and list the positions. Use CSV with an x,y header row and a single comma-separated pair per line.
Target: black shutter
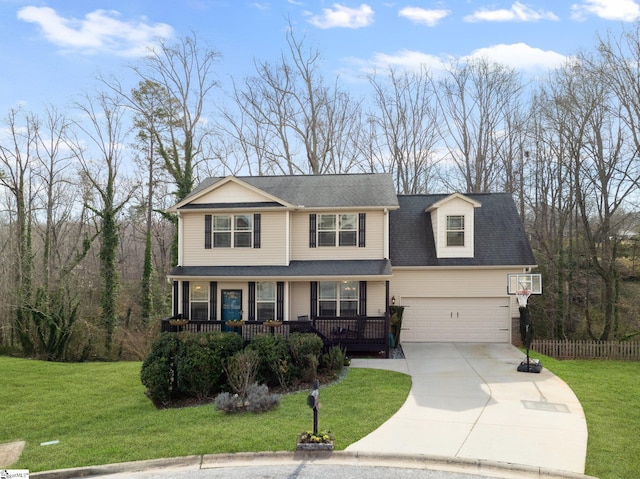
x,y
252,301
207,231
175,299
280,301
362,224
185,300
213,300
312,230
256,230
313,306
362,306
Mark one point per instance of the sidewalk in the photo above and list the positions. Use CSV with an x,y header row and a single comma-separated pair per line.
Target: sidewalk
x,y
468,401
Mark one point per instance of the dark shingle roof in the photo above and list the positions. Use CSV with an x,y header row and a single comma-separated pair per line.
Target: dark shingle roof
x,y
314,268
322,191
499,237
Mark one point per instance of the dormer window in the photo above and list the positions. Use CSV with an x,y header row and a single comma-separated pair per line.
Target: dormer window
x,y
455,230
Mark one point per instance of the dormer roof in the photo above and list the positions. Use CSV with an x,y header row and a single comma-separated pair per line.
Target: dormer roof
x,y
454,196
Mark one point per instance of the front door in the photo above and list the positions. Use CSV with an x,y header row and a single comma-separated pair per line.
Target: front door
x,y
231,304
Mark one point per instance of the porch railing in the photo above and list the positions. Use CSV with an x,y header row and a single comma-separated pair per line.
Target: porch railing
x,y
355,334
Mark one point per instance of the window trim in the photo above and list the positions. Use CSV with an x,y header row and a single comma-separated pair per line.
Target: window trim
x,y
203,300
357,228
260,301
233,230
339,299
455,232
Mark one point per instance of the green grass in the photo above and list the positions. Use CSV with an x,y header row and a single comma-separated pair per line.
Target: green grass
x,y
99,414
609,392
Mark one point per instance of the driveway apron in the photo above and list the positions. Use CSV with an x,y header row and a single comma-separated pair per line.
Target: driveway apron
x,y
469,401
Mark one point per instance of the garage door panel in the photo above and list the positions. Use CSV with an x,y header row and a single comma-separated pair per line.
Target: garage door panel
x,y
456,320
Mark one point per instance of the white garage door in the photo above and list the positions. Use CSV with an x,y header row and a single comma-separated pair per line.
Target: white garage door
x,y
455,320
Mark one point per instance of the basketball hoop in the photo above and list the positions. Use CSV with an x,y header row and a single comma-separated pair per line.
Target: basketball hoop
x,y
523,295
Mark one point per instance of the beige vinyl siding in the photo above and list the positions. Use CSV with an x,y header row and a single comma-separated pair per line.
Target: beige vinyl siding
x,y
299,299
272,249
453,283
374,231
443,283
376,298
231,192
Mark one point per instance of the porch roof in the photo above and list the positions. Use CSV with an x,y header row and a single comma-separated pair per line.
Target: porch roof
x,y
313,269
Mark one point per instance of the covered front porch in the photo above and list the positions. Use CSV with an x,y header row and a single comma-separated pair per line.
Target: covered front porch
x,y
344,302
370,334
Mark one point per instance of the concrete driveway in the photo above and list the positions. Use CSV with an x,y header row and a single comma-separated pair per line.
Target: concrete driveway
x,y
468,401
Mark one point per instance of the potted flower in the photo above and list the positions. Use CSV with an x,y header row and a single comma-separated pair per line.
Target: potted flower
x,y
235,323
322,441
178,322
272,323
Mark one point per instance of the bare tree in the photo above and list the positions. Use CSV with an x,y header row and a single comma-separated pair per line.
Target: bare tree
x,y
475,98
293,121
105,134
16,163
406,124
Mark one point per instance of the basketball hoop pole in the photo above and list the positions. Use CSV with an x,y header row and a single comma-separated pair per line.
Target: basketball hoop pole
x,y
523,285
526,332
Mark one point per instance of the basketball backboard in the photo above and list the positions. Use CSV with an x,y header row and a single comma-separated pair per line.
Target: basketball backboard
x,y
531,282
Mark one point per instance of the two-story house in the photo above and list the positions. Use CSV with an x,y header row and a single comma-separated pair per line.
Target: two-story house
x,y
290,248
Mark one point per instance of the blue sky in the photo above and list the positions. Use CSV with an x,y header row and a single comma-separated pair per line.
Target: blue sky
x,y
51,50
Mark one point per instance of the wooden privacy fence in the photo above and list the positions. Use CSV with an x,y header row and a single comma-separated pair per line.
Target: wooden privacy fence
x,y
623,350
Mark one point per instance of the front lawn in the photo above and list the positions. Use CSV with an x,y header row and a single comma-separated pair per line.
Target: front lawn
x,y
99,414
609,392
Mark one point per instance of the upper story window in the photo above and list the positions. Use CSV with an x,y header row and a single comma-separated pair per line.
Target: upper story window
x,y
232,231
337,230
455,230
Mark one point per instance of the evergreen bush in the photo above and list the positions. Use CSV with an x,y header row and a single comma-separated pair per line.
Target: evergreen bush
x,y
273,350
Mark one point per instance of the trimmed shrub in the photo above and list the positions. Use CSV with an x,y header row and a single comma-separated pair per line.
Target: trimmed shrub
x,y
305,350
158,371
273,350
200,359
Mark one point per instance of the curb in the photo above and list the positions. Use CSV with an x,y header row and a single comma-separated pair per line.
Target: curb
x,y
400,461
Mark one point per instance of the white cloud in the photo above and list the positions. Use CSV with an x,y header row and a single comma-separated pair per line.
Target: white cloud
x,y
98,31
411,60
521,56
619,10
343,17
518,12
421,15
262,6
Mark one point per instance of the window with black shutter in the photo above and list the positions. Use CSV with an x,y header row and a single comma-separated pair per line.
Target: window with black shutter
x,y
312,230
256,230
207,231
362,224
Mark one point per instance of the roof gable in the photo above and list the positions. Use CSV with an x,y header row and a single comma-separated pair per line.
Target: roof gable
x,y
318,191
453,197
228,191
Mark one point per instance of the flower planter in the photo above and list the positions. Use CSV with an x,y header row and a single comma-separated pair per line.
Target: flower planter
x,y
315,446
178,322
